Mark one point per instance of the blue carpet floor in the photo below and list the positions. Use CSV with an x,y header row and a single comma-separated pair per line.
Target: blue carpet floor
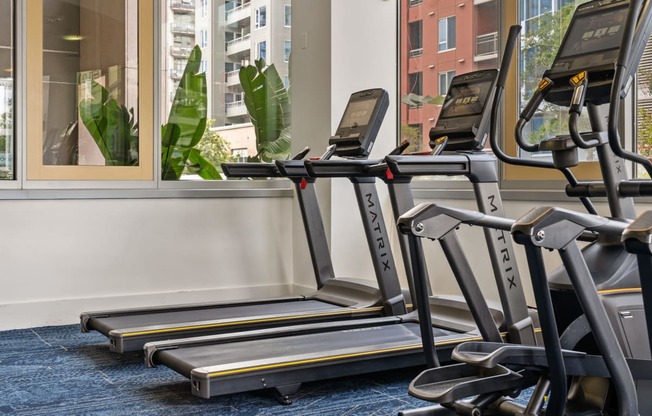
x,y
60,371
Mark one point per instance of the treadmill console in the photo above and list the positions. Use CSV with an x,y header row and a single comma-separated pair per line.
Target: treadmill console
x,y
462,120
360,123
591,44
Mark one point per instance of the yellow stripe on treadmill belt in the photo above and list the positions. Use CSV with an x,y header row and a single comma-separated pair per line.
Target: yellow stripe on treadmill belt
x,y
249,321
336,357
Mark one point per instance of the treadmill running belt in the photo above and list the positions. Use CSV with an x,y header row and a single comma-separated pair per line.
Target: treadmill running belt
x,y
106,325
184,360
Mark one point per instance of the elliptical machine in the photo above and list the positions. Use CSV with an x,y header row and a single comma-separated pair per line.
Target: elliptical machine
x,y
595,298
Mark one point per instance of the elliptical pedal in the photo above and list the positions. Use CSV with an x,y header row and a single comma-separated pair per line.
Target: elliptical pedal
x,y
455,382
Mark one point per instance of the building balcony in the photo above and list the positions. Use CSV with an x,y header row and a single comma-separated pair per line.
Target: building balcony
x,y
486,47
180,52
181,6
233,78
183,29
238,14
239,45
236,109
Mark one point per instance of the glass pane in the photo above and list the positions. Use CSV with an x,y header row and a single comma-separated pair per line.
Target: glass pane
x,y
544,24
238,32
644,108
475,47
6,90
90,82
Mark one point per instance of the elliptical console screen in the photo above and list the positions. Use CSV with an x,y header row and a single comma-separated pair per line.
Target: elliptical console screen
x,y
592,41
465,99
594,32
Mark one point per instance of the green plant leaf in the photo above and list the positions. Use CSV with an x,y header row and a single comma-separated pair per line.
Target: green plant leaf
x,y
268,104
199,165
187,124
111,125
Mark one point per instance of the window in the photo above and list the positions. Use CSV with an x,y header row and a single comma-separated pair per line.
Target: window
x,y
204,8
416,88
644,108
7,69
419,108
80,53
261,50
415,45
447,33
261,17
287,50
204,38
226,47
288,15
445,79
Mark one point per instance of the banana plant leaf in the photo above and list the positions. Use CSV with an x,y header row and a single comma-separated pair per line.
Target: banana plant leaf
x,y
268,103
112,127
186,125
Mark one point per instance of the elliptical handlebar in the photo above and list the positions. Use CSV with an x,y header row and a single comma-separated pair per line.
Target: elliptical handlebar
x,y
512,39
620,75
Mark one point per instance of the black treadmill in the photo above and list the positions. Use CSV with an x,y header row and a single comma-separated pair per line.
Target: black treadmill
x,y
335,299
283,358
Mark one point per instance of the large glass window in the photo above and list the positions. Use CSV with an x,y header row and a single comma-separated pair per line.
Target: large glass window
x,y
425,71
84,89
545,23
211,112
7,70
644,107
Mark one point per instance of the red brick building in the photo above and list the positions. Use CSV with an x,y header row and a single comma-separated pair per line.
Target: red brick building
x,y
440,39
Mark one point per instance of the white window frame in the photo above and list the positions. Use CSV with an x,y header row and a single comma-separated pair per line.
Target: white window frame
x,y
446,42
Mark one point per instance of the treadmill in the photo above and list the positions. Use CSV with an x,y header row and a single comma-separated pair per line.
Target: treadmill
x,y
283,358
336,298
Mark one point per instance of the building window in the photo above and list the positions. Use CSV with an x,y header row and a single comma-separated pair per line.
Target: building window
x,y
288,15
445,79
240,155
87,84
261,17
204,8
447,33
415,45
287,50
204,38
416,88
261,50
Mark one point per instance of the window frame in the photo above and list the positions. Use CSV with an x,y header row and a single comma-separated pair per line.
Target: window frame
x,y
518,177
32,168
447,41
257,14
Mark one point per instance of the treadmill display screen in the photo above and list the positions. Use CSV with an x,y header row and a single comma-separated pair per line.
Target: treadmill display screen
x,y
595,32
465,99
358,113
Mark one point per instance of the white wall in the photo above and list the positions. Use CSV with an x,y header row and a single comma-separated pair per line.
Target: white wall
x,y
61,257
364,45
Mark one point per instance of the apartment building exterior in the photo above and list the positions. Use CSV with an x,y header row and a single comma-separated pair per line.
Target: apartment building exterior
x,y
231,33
